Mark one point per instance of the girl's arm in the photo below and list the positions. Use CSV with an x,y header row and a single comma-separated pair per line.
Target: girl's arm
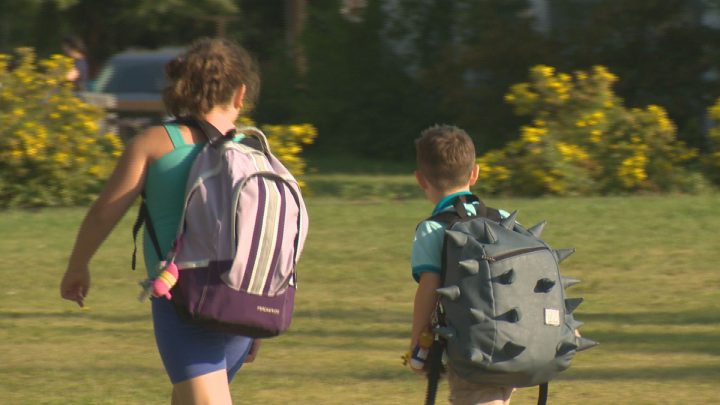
x,y
119,193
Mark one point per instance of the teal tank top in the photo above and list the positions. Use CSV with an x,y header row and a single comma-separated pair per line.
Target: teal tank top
x,y
165,194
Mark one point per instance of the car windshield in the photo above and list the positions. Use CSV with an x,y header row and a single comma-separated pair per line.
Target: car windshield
x,y
132,76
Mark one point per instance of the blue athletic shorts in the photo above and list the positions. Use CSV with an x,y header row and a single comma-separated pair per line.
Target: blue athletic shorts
x,y
189,351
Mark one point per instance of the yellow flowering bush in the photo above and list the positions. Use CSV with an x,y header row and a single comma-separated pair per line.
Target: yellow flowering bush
x,y
582,140
51,150
286,143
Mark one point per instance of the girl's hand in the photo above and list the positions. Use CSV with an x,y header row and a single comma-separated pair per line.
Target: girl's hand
x,y
75,284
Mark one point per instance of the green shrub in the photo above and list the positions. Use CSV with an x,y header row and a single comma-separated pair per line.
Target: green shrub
x,y
711,160
582,141
51,151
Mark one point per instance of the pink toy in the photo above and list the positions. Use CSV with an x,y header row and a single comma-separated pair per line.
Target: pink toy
x,y
165,281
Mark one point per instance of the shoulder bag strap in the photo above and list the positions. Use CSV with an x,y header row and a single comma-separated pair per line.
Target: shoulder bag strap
x,y
542,394
144,217
434,370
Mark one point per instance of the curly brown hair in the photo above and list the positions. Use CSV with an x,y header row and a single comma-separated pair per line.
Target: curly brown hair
x,y
206,75
445,156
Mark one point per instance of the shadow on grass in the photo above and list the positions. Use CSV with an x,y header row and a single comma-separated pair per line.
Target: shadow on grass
x,y
364,371
705,317
111,318
659,373
632,336
381,372
699,342
363,315
366,333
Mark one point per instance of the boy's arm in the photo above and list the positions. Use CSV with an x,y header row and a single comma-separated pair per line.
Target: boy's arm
x,y
425,300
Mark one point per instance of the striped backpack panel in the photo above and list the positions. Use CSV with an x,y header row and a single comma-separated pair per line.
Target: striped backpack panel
x,y
242,231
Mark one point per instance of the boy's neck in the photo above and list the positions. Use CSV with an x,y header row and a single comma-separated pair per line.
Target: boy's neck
x,y
435,196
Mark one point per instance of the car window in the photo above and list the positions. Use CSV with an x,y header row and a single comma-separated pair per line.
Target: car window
x,y
132,76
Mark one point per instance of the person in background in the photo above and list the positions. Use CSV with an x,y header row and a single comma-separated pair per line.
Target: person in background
x,y
75,48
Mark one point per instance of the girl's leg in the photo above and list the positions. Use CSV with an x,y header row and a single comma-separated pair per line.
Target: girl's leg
x,y
207,389
200,363
236,349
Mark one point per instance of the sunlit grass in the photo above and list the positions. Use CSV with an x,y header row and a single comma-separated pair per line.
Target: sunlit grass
x,y
649,275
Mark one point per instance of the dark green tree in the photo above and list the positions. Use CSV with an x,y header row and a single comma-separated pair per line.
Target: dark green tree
x,y
661,49
356,89
466,54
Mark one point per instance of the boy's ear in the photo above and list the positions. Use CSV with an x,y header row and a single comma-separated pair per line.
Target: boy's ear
x,y
422,182
474,175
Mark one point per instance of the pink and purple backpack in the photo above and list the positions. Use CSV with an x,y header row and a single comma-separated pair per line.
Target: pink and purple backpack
x,y
242,231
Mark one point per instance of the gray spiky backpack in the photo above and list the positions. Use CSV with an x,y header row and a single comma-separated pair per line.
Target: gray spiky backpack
x,y
503,312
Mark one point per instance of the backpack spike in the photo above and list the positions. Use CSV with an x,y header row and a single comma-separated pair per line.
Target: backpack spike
x,y
452,292
571,304
565,348
512,349
459,238
574,324
478,357
563,254
506,278
537,229
490,236
568,282
470,265
445,332
585,343
512,315
509,222
544,285
478,314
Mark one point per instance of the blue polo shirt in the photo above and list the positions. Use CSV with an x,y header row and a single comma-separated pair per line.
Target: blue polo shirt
x,y
428,242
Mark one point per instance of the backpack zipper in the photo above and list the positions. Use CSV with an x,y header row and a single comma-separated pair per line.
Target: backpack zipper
x,y
513,253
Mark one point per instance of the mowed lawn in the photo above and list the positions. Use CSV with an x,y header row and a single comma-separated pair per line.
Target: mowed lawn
x,y
648,265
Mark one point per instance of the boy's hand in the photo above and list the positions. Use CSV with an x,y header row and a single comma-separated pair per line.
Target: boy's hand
x,y
406,362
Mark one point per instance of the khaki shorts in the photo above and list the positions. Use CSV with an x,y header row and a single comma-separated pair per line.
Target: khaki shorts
x,y
463,392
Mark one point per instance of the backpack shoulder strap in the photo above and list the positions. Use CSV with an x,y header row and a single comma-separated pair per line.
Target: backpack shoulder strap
x,y
459,213
175,135
255,138
213,135
144,217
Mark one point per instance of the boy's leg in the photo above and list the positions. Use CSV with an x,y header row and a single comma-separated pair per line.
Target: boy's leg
x,y
467,393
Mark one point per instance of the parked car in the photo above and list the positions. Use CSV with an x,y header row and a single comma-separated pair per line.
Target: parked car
x,y
129,87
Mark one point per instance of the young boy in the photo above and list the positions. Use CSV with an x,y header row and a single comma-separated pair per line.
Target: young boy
x,y
446,169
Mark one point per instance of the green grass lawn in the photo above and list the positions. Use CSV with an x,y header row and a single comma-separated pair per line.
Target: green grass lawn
x,y
649,267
